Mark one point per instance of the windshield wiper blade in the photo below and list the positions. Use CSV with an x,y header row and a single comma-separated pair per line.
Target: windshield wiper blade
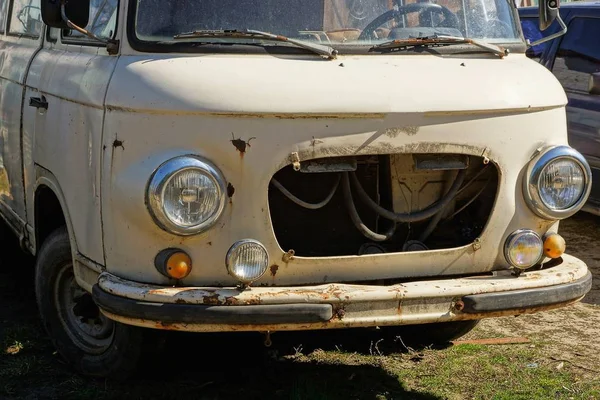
x,y
322,50
440,40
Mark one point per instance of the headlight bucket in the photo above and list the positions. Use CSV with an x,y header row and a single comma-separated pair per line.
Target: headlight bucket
x,y
537,169
195,182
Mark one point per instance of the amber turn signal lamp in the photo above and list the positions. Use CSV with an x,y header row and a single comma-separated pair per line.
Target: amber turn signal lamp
x,y
554,245
173,263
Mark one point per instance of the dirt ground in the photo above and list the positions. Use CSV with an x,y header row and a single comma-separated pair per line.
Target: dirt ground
x,y
561,361
571,334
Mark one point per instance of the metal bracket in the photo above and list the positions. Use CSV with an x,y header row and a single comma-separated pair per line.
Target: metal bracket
x,y
268,342
295,158
553,36
486,156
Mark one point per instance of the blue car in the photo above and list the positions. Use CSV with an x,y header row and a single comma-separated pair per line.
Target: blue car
x,y
574,58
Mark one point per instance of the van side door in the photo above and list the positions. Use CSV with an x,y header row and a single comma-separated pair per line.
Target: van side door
x,y
18,46
71,75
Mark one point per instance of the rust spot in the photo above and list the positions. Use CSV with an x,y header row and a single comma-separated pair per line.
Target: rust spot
x,y
232,301
210,243
166,326
230,190
212,300
459,305
274,269
118,143
180,301
240,144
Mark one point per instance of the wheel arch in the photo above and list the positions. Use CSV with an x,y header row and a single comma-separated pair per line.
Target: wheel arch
x,y
50,210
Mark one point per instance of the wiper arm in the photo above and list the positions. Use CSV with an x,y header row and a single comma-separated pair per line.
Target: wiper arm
x,y
322,50
441,40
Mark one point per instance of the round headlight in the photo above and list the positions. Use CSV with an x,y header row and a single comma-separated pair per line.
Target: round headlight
x,y
523,249
561,183
558,183
186,195
247,260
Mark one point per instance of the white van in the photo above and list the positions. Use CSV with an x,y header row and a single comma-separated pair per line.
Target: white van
x,y
281,165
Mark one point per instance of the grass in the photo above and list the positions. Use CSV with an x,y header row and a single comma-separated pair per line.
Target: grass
x,y
311,365
326,365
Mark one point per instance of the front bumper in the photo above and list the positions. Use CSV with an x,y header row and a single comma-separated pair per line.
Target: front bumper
x,y
328,306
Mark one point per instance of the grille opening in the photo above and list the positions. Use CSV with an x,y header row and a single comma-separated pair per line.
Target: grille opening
x,y
411,187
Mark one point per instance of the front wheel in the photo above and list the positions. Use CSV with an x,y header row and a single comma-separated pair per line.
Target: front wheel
x,y
93,344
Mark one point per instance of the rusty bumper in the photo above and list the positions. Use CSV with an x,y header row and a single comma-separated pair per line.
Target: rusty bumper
x,y
341,305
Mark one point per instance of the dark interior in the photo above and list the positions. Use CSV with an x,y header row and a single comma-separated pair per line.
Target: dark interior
x,y
329,231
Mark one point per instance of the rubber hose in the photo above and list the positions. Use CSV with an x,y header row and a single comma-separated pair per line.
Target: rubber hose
x,y
376,237
418,216
302,203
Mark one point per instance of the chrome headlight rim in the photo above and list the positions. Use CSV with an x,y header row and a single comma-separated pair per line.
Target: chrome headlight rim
x,y
534,171
234,248
162,176
518,234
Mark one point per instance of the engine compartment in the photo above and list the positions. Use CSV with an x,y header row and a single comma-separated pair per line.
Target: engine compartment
x,y
382,204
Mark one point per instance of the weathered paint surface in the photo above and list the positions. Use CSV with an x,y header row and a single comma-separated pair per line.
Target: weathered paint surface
x,y
427,315
66,139
249,123
354,305
15,55
133,239
570,270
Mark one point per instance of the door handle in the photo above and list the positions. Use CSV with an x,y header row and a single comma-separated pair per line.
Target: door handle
x,y
38,102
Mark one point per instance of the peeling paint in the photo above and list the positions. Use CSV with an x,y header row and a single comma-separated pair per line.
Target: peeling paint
x,y
408,130
257,115
240,144
230,190
315,142
118,143
383,147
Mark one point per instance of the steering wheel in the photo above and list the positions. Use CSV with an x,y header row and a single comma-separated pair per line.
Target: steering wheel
x,y
449,16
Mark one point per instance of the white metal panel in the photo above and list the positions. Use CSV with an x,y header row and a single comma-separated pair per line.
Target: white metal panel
x,y
159,107
66,140
15,56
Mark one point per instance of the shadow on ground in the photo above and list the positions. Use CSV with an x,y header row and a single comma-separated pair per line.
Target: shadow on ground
x,y
199,366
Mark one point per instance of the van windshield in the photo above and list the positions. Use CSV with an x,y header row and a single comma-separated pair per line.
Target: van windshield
x,y
336,23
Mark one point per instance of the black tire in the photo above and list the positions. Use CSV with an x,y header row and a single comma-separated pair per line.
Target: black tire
x,y
436,334
113,350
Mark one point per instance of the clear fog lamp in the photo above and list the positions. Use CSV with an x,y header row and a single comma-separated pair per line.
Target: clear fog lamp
x,y
247,261
523,249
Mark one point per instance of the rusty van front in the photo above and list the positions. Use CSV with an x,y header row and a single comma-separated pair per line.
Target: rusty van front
x,y
277,165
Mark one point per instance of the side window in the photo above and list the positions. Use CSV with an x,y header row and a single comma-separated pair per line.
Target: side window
x,y
3,4
578,55
102,22
26,18
532,32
